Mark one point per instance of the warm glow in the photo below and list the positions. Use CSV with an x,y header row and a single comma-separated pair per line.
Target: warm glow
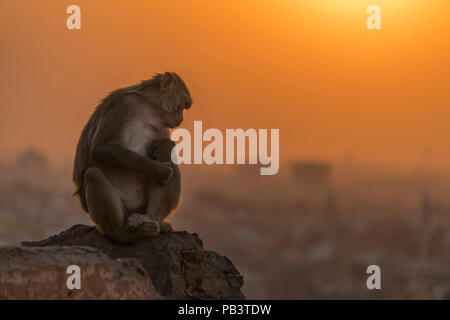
x,y
310,68
350,6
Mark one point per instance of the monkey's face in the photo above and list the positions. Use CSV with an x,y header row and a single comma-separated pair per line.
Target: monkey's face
x,y
173,119
175,98
175,95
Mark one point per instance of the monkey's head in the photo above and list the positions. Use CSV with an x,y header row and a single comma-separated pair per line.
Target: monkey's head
x,y
171,96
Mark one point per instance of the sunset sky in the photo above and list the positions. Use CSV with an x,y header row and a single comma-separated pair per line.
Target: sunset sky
x,y
308,67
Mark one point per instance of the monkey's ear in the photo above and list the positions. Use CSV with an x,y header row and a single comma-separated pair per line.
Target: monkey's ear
x,y
166,80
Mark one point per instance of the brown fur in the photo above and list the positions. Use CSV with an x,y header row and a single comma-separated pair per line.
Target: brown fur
x,y
116,144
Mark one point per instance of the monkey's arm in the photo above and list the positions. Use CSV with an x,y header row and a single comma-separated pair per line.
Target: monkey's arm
x,y
161,150
107,149
115,155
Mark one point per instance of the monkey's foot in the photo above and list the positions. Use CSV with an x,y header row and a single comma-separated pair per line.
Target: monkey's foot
x,y
135,221
143,223
150,228
165,226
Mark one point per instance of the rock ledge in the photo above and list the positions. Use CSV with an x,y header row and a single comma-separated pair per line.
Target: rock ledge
x,y
175,262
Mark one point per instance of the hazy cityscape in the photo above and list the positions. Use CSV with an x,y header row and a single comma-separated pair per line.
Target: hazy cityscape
x,y
309,232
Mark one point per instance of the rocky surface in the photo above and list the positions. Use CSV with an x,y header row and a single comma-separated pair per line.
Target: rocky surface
x,y
41,273
176,262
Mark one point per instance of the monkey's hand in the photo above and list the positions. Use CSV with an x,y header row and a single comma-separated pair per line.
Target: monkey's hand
x,y
169,165
162,172
161,150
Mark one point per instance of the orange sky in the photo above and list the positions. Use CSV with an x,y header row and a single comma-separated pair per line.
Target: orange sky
x,y
310,68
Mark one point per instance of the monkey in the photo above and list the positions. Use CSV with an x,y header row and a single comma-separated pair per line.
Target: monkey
x,y
123,173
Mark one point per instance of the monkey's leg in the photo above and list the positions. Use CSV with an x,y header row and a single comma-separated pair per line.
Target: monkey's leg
x,y
106,209
156,208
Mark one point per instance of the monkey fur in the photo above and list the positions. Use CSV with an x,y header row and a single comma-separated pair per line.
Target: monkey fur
x,y
123,172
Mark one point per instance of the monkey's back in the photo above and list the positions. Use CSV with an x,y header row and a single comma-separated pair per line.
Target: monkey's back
x,y
83,160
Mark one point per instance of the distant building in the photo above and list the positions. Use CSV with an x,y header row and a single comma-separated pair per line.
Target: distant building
x,y
312,174
314,191
32,160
